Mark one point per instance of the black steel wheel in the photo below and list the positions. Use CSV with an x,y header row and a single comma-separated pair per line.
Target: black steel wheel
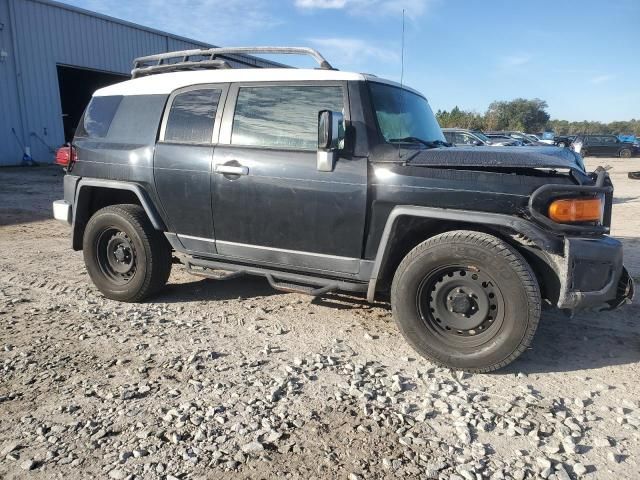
x,y
466,300
126,258
116,255
462,305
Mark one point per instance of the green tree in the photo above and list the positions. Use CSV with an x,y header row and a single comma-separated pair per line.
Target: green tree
x,y
518,114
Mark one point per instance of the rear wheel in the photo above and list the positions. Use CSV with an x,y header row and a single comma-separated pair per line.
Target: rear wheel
x,y
466,300
625,153
126,258
584,152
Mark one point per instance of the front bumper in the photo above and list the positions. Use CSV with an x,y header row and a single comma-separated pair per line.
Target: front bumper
x,y
62,211
592,275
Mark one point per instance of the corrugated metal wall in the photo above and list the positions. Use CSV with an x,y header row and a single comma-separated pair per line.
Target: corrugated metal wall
x,y
10,152
39,34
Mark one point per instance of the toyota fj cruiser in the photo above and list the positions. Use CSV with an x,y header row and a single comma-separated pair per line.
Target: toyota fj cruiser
x,y
322,181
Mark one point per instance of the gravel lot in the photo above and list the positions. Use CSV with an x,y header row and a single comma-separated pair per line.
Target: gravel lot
x,y
218,379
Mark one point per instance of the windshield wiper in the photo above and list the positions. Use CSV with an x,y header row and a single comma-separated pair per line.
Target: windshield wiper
x,y
426,143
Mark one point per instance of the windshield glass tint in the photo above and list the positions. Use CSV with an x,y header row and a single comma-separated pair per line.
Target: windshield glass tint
x,y
482,137
402,114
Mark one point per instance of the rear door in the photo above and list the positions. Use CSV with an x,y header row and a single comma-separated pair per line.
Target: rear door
x,y
182,162
610,145
596,145
270,203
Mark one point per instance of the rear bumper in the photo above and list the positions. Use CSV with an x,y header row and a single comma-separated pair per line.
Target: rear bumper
x,y
62,211
592,275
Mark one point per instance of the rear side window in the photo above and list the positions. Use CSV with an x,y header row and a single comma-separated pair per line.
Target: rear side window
x,y
192,116
283,116
98,116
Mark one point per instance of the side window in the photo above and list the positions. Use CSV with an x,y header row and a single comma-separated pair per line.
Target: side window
x,y
282,116
98,116
192,116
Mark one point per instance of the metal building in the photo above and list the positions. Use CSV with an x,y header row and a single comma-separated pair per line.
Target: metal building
x,y
52,57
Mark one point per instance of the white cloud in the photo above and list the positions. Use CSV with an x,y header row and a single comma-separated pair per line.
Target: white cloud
x,y
413,8
320,3
220,22
597,80
354,52
516,60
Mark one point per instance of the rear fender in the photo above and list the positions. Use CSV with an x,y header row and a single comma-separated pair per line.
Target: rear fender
x,y
83,200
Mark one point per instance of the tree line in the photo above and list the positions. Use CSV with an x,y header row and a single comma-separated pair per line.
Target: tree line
x,y
528,115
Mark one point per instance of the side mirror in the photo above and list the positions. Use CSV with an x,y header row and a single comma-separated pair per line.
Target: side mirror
x,y
330,139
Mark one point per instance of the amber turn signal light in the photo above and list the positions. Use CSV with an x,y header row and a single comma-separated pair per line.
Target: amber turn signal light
x,y
570,210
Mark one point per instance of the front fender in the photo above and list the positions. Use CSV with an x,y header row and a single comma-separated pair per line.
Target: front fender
x,y
534,234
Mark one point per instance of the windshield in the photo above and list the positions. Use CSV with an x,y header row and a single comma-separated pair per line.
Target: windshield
x,y
403,114
482,137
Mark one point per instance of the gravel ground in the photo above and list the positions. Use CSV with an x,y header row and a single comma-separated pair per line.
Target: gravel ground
x,y
219,379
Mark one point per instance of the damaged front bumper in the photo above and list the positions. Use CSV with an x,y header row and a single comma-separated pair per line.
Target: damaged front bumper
x,y
592,275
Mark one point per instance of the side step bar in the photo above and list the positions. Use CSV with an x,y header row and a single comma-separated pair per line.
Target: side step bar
x,y
283,281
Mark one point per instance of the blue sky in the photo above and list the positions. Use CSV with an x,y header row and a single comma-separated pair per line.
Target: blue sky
x,y
581,56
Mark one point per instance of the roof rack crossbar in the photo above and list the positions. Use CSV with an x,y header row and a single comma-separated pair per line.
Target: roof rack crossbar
x,y
184,65
160,62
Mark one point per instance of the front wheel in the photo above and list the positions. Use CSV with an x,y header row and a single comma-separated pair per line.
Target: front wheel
x,y
625,153
466,300
126,258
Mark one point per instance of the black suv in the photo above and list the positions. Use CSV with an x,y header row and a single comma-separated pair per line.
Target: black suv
x,y
323,181
602,145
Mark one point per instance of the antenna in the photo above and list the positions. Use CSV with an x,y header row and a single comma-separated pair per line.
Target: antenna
x,y
402,52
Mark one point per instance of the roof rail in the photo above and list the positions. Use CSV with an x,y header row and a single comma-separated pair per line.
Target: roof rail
x,y
166,62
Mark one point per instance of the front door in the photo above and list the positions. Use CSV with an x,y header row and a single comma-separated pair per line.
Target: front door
x,y
270,203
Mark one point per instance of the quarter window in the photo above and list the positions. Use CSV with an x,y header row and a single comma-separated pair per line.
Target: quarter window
x,y
282,116
98,116
192,116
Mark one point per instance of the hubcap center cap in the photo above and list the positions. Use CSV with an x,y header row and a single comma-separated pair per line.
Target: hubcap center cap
x,y
120,254
459,303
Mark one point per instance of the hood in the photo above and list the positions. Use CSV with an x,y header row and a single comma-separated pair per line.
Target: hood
x,y
508,157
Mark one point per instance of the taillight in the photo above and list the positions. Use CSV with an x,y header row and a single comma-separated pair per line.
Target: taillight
x,y
571,210
65,156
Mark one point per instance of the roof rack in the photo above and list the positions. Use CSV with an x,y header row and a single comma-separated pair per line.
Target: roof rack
x,y
207,59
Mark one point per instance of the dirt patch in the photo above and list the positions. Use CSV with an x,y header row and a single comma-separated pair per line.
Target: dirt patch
x,y
214,379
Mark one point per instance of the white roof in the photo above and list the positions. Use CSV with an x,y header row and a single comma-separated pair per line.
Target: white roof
x,y
165,83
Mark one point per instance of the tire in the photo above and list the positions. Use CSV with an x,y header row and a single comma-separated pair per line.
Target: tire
x,y
126,258
584,153
625,153
492,327
562,144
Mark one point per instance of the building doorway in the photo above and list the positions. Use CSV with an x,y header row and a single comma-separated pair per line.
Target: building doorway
x,y
76,87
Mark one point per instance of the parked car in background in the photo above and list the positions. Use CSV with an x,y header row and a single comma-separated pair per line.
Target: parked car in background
x,y
504,140
461,137
521,137
546,137
563,141
602,145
